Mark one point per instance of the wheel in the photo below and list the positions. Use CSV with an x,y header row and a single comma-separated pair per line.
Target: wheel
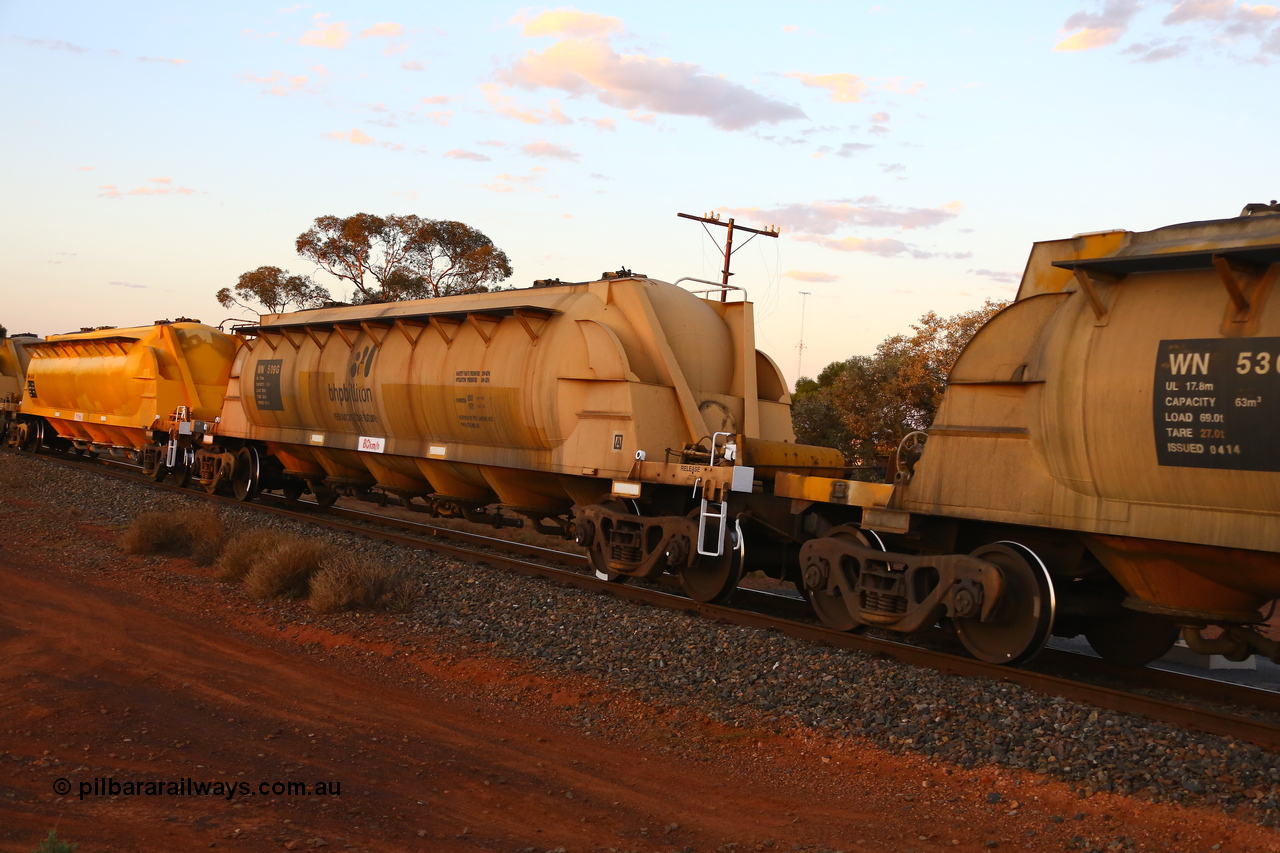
x,y
246,480
325,496
1132,638
34,437
714,579
831,609
589,540
1023,620
600,566
293,489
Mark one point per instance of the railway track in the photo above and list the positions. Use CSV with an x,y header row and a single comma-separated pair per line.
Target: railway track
x,y
1055,673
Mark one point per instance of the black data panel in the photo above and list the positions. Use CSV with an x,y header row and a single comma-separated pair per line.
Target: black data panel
x,y
1217,404
266,385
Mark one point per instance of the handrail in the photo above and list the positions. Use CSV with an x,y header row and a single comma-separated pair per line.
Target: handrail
x,y
712,283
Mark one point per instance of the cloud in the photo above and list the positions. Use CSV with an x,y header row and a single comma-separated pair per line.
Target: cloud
x,y
437,99
412,65
277,83
998,275
895,85
505,106
505,183
846,150
827,217
890,168
176,62
463,154
162,190
814,222
126,284
602,123
439,117
1098,29
804,275
296,7
329,36
791,28
550,150
844,88
112,191
387,30
884,246
85,168
880,116
568,22
1157,51
355,137
1215,25
52,44
592,68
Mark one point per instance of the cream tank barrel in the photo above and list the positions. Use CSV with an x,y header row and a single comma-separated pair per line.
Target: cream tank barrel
x,y
1131,393
533,397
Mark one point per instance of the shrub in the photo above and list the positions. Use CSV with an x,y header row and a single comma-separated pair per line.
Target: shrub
x,y
53,845
348,583
196,533
284,571
245,550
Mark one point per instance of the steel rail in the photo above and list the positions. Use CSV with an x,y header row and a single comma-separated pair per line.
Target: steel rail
x,y
1158,709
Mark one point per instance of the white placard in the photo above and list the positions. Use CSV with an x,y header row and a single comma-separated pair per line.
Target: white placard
x,y
370,444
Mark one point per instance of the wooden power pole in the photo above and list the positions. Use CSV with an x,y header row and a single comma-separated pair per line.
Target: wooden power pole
x,y
714,219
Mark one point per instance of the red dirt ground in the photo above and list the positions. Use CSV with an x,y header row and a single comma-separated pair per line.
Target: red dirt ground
x,y
150,670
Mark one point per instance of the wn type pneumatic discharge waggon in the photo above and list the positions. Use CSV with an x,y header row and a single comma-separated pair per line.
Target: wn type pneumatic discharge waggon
x,y
1105,460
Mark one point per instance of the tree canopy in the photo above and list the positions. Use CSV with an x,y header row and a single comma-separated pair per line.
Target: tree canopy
x,y
274,289
865,404
390,258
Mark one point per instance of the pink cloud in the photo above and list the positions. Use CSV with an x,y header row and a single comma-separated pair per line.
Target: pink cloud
x,y
592,68
1092,30
463,154
602,123
568,22
175,62
821,218
355,137
504,105
437,99
329,36
805,275
412,65
386,30
277,83
844,88
53,44
550,150
883,246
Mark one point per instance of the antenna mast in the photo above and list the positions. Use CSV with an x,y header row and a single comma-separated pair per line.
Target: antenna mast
x,y
714,219
804,298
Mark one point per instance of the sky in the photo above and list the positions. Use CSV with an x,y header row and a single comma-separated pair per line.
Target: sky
x,y
909,152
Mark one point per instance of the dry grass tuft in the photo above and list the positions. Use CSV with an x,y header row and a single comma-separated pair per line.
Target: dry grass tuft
x,y
285,570
349,583
244,550
196,533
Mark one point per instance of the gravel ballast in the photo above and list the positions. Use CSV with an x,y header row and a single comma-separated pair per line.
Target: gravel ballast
x,y
729,675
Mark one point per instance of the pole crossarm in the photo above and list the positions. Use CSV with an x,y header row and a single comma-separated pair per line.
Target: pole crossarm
x,y
712,219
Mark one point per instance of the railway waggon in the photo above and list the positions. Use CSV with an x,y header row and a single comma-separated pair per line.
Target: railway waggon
x,y
1105,462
